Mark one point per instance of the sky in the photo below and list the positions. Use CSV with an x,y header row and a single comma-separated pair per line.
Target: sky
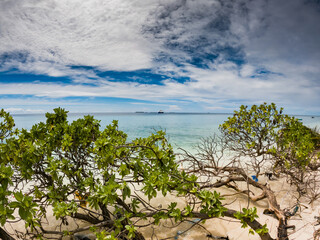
x,y
147,55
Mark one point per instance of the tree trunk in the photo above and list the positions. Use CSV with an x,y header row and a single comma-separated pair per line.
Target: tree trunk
x,y
272,200
4,235
254,224
230,213
139,236
282,230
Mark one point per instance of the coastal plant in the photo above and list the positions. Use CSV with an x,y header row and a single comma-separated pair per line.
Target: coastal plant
x,y
69,164
296,155
269,137
254,131
6,125
77,171
254,142
24,204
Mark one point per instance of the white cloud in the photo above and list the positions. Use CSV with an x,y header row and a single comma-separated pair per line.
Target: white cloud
x,y
247,70
91,33
223,84
23,110
278,37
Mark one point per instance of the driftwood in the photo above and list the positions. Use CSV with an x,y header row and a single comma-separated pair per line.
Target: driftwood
x,y
209,162
4,235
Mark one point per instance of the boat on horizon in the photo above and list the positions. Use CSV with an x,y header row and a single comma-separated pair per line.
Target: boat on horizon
x,y
160,112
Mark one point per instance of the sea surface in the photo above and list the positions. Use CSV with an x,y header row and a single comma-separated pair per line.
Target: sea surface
x,y
183,130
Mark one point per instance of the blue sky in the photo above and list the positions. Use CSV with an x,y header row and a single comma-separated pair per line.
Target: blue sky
x,y
178,56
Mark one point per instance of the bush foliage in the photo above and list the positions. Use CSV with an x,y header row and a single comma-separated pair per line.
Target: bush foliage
x,y
94,174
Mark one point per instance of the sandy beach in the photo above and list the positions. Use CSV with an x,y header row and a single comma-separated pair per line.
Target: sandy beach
x,y
304,220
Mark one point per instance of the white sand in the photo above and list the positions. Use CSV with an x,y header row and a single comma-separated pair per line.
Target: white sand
x,y
304,220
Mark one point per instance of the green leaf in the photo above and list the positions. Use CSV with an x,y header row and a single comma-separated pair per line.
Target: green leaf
x,y
18,196
24,214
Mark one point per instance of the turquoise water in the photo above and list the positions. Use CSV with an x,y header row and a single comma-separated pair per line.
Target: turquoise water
x,y
183,130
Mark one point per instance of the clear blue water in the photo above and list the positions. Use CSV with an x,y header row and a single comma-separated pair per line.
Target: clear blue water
x,y
183,130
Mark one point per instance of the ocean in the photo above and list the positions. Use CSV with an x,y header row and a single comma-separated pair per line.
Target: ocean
x,y
183,130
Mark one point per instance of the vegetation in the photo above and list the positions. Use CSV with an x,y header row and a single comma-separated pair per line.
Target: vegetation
x,y
260,141
265,134
82,172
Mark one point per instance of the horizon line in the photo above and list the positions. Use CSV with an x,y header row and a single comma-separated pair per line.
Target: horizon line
x,y
153,112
